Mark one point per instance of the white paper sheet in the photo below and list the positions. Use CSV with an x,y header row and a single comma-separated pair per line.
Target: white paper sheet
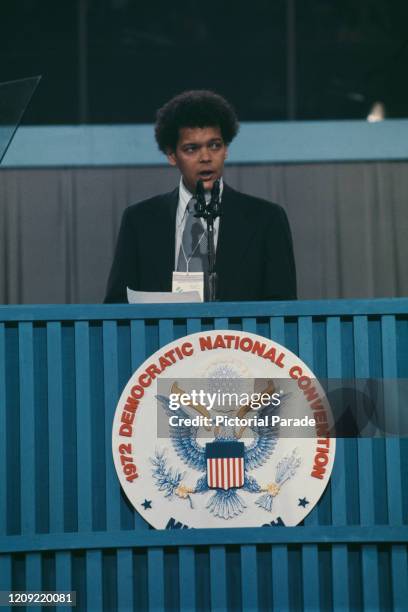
x,y
161,297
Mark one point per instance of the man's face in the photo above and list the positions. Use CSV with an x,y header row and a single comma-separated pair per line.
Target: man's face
x,y
200,154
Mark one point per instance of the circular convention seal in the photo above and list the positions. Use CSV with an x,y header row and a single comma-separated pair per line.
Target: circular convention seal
x,y
223,429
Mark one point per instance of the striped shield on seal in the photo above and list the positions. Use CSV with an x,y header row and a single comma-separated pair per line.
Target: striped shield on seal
x,y
225,464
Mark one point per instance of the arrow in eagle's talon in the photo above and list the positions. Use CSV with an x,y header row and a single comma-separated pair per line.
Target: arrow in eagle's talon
x,y
191,502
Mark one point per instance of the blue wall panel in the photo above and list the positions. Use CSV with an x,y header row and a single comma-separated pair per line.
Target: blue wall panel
x,y
257,143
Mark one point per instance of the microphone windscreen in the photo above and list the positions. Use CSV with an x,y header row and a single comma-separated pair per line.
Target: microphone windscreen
x,y
199,188
215,191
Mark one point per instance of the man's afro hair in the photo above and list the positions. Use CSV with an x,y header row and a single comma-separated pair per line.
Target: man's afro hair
x,y
196,108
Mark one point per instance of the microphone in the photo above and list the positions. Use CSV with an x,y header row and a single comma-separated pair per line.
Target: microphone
x,y
212,210
215,199
200,205
209,213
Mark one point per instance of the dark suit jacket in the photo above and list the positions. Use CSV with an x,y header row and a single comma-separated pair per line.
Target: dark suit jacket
x,y
254,258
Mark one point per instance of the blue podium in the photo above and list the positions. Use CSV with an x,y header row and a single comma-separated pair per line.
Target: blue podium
x,y
65,525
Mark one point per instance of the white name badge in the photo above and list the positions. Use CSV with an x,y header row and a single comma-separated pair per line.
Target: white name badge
x,y
188,281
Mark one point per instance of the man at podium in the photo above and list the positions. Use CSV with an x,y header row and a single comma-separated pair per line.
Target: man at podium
x,y
162,239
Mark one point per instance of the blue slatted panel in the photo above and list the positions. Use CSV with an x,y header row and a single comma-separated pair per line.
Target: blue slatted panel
x,y
138,343
155,556
218,578
33,572
249,325
370,575
305,339
187,578
56,445
155,577
138,355
166,331
110,377
249,578
94,581
338,478
3,434
340,579
27,429
55,427
84,462
280,577
193,326
28,452
5,560
277,329
399,560
393,457
6,577
221,323
399,577
107,578
83,426
63,571
310,554
280,560
124,558
366,475
125,580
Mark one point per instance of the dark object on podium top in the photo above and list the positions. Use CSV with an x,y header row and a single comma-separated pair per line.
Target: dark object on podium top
x,y
14,99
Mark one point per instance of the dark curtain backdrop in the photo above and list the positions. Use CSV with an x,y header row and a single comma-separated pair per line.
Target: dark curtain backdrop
x,y
349,221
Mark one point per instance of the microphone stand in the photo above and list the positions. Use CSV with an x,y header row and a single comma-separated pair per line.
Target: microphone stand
x,y
209,212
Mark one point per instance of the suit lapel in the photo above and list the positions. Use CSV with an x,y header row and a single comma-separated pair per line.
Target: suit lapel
x,y
165,222
236,230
